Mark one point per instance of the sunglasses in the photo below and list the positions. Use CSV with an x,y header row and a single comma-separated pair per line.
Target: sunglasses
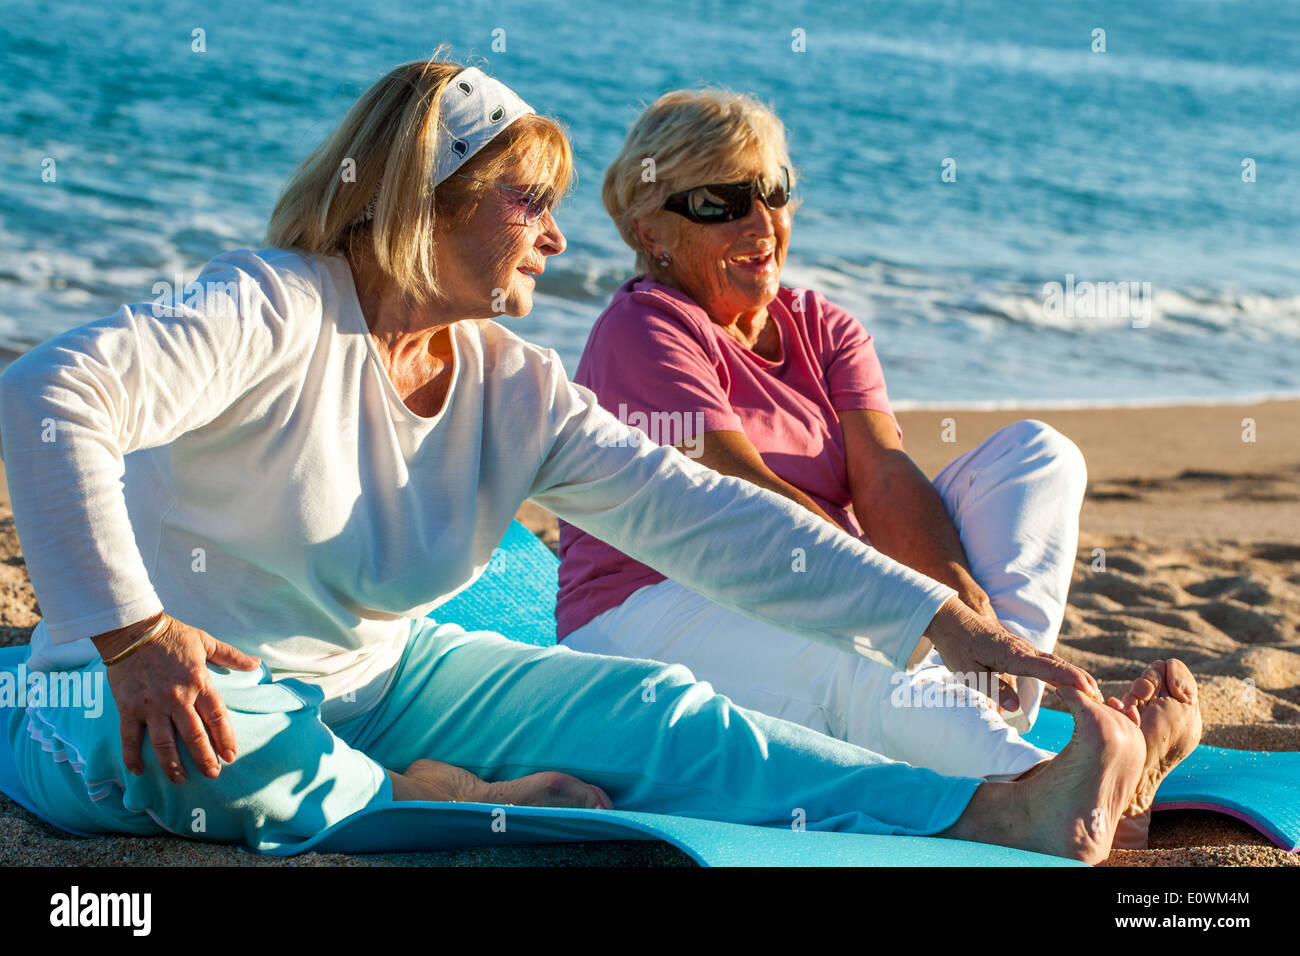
x,y
536,203
725,202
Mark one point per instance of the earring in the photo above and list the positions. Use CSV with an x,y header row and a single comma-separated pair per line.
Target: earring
x,y
664,259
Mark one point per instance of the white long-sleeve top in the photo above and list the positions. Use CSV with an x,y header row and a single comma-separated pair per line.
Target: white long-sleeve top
x,y
244,462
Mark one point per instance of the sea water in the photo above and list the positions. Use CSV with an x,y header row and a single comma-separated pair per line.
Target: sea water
x,y
961,165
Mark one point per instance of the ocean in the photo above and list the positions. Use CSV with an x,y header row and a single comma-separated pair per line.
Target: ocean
x,y
1021,210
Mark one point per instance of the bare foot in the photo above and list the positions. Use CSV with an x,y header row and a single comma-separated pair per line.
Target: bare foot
x,y
1071,804
434,780
547,789
1164,703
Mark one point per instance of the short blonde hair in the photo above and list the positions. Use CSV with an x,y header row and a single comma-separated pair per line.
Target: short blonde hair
x,y
689,138
387,139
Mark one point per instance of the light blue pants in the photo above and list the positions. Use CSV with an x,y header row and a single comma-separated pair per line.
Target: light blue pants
x,y
649,734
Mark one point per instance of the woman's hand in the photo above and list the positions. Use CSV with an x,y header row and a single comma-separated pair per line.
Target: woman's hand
x,y
973,596
970,643
164,686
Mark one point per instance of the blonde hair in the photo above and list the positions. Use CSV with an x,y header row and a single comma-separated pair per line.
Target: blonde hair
x,y
387,139
689,138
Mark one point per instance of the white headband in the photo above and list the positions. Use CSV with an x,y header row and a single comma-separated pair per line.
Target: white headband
x,y
473,110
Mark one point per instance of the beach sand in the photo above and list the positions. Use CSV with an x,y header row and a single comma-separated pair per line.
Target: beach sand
x,y
1199,530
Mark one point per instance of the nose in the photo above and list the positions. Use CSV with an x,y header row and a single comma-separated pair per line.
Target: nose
x,y
759,220
551,242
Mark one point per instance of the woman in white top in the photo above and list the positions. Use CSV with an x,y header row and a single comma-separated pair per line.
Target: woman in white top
x,y
242,505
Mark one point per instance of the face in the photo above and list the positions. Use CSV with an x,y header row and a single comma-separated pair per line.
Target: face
x,y
729,268
488,268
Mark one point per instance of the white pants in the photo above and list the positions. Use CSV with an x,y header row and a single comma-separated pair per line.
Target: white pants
x,y
1015,502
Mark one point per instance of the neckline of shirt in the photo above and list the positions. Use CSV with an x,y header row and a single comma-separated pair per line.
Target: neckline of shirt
x,y
760,359
720,333
357,318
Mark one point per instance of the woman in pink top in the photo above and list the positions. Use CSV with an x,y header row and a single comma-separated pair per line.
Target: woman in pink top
x,y
706,351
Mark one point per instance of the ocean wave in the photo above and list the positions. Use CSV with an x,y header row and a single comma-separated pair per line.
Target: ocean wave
x,y
1058,63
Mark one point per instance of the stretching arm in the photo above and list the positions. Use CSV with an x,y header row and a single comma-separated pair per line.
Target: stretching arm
x,y
742,546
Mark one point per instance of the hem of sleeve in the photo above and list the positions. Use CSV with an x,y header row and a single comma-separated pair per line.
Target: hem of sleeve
x,y
956,797
937,597
96,624
384,795
712,421
853,403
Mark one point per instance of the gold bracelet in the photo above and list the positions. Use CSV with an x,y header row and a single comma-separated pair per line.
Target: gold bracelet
x,y
139,642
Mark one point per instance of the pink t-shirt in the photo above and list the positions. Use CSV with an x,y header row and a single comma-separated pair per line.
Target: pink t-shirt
x,y
656,361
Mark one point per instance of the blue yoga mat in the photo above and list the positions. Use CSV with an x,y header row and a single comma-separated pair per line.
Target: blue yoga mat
x,y
519,586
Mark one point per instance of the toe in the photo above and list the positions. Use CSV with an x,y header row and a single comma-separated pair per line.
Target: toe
x,y
1142,689
1182,684
1155,676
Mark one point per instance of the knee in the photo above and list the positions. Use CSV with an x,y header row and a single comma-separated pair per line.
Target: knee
x,y
291,779
283,793
1040,442
675,679
674,688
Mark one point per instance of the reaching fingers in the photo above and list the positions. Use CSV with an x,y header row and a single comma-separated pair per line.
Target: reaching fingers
x,y
1052,670
1015,656
1007,696
999,650
1009,690
1072,698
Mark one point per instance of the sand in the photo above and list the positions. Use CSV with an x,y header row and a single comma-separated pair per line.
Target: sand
x,y
1200,535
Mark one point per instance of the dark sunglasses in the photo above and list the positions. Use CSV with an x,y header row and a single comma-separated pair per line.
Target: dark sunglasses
x,y
725,202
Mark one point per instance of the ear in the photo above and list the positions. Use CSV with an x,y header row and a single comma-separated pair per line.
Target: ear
x,y
651,237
